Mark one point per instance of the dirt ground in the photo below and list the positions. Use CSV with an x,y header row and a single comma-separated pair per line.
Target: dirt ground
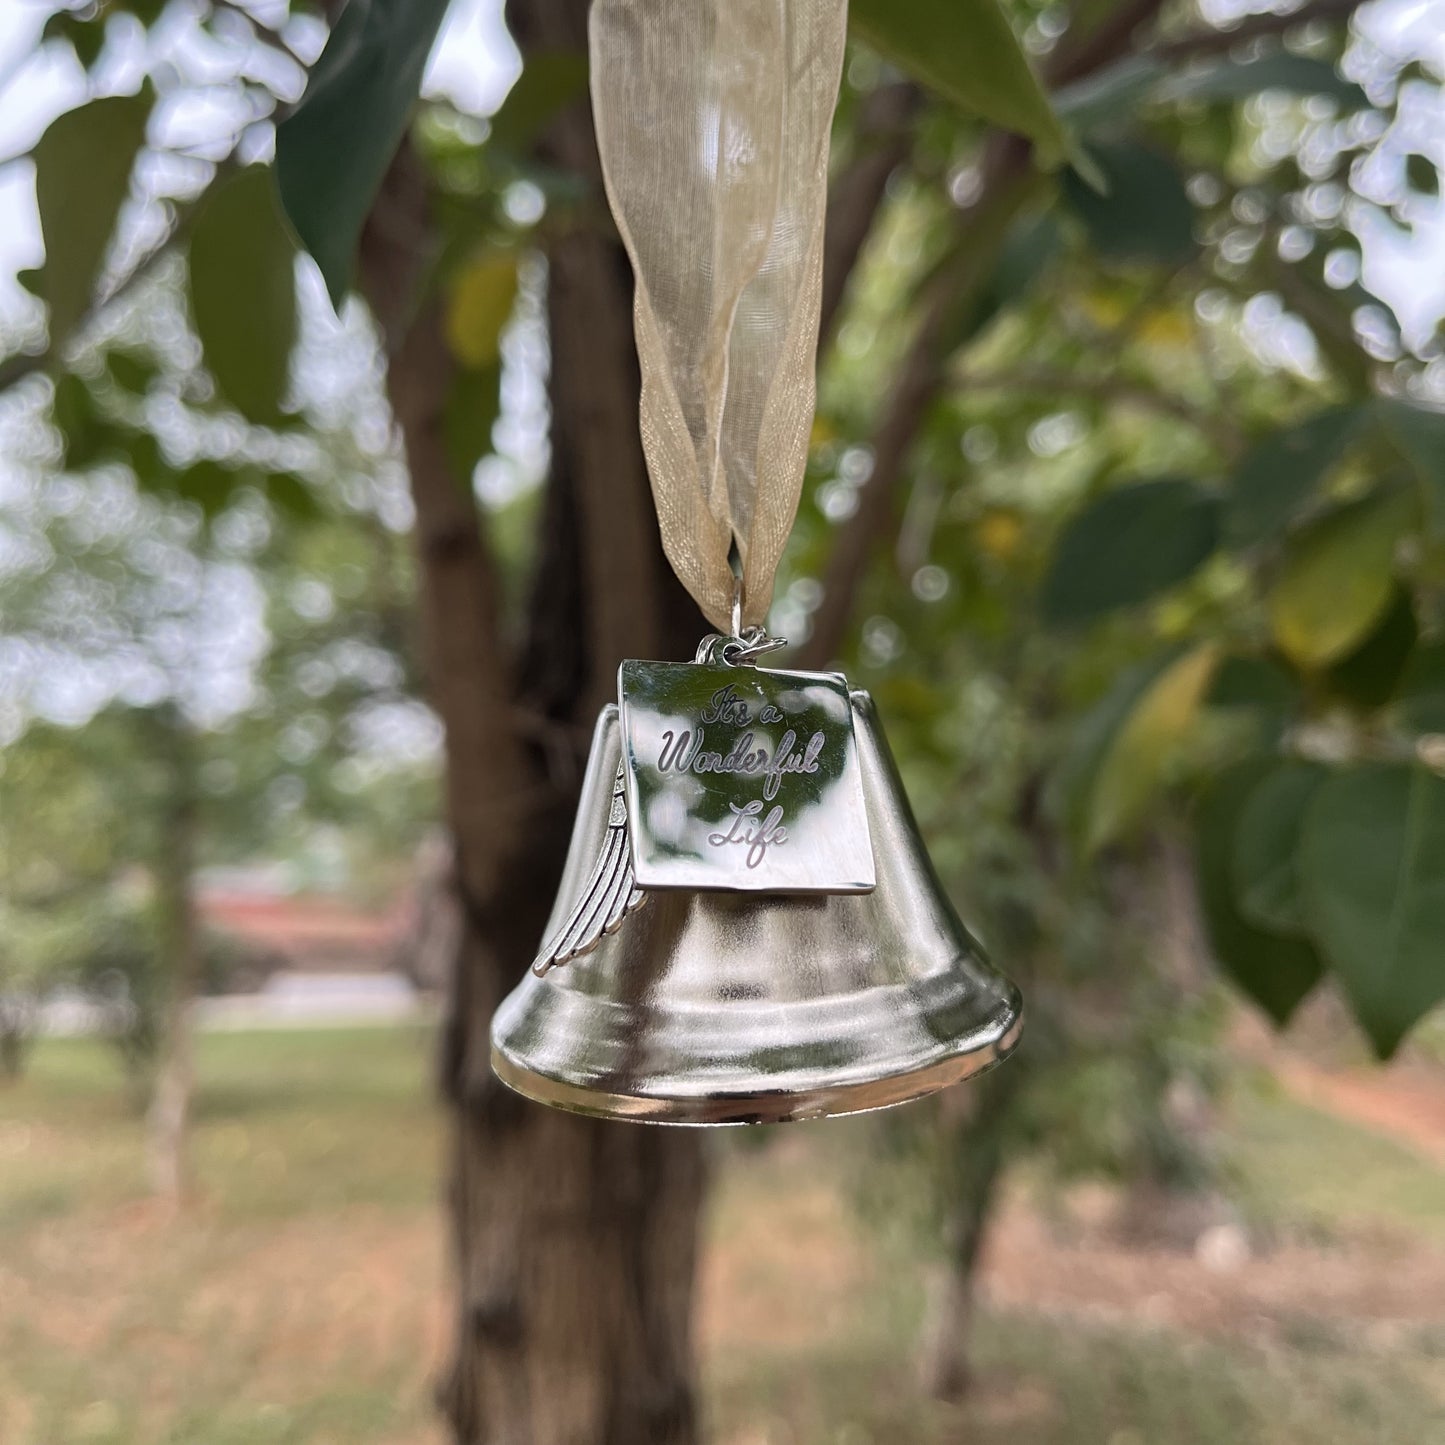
x,y
761,1285
221,1305
1378,1279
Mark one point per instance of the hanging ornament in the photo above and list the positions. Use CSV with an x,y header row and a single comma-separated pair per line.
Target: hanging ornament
x,y
748,928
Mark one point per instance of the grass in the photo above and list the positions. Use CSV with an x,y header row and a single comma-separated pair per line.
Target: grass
x,y
1044,1379
1055,1383
287,1123
302,1300
1298,1166
297,1300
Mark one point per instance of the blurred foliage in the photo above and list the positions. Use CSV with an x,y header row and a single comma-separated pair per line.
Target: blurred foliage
x,y
1162,519
979,66
205,592
1167,551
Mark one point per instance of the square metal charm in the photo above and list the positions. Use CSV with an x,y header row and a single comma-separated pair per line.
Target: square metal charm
x,y
742,778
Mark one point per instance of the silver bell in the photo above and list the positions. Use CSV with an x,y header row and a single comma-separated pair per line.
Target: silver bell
x,y
713,1007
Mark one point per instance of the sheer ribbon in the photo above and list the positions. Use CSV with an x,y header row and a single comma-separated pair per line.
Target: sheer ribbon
x,y
712,122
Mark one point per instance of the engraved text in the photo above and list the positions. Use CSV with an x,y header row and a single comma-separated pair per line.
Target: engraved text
x,y
754,836
684,752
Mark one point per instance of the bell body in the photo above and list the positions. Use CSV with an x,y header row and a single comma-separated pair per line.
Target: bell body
x,y
712,1007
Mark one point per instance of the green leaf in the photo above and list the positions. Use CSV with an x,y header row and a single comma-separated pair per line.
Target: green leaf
x,y
146,11
87,435
473,405
83,164
73,412
972,59
1137,765
292,495
1278,475
1124,748
151,470
86,36
1143,213
131,371
1421,174
1229,79
1418,433
1257,683
550,80
1129,545
209,484
1093,735
1266,846
1422,689
334,148
1112,94
1276,971
1029,247
243,292
1251,703
478,306
1118,92
1337,579
1369,675
1370,865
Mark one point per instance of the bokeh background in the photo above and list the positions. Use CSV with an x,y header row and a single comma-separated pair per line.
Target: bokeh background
x,y
322,525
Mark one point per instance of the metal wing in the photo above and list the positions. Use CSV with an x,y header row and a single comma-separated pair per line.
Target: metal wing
x,y
610,895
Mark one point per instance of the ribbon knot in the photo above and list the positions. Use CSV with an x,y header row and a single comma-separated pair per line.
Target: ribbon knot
x,y
712,124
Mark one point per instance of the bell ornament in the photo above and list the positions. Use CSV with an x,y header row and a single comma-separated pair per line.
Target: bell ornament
x,y
704,1006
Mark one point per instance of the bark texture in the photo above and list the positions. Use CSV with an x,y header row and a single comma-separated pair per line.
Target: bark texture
x,y
16,1027
574,1240
168,1116
974,1133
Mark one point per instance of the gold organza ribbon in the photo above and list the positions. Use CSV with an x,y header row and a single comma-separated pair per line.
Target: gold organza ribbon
x,y
712,122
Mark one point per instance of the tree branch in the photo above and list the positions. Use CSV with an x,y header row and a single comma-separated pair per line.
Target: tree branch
x,y
490,783
17,367
1003,191
1108,40
1127,393
1257,27
923,375
884,142
1005,165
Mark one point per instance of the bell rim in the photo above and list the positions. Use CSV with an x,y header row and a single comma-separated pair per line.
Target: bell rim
x,y
775,1106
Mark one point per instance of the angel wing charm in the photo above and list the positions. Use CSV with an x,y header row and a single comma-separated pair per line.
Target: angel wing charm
x,y
610,895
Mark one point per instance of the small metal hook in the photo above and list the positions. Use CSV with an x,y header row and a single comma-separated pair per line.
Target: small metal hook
x,y
737,651
742,645
756,642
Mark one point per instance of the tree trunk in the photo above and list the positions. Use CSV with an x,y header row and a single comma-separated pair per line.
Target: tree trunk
x,y
975,1131
574,1240
1173,1193
16,1022
168,1118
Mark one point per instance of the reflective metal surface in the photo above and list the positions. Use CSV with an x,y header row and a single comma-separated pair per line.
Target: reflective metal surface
x,y
720,1007
742,777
